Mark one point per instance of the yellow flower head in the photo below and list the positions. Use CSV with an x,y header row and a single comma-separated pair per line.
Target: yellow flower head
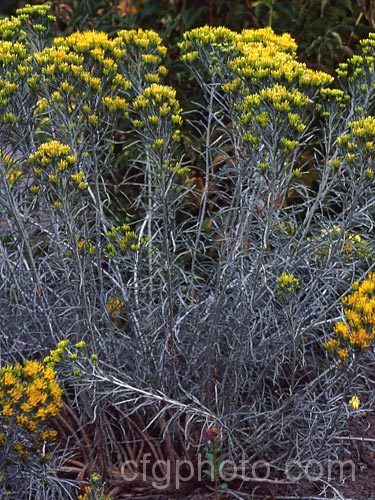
x,y
357,332
354,402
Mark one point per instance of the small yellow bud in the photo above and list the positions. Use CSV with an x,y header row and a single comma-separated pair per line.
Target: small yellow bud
x,y
354,402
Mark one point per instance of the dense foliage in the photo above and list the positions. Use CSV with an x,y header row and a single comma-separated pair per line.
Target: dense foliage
x,y
326,32
203,297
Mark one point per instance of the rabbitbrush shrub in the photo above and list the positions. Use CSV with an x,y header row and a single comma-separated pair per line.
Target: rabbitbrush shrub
x,y
206,282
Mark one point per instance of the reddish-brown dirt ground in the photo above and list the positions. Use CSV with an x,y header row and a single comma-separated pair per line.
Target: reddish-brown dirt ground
x,y
360,450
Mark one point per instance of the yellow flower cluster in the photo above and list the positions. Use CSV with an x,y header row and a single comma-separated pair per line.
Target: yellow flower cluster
x,y
12,171
99,55
65,352
51,151
130,53
279,96
13,71
360,142
157,107
123,238
176,168
288,282
58,354
354,243
9,28
13,174
50,161
274,106
364,128
87,77
12,53
267,37
258,71
75,68
288,145
360,66
29,396
210,48
85,41
52,164
357,331
157,95
337,95
208,36
26,12
281,99
254,56
114,306
259,65
36,15
59,59
83,245
116,70
140,56
79,179
353,246
115,104
219,42
143,39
